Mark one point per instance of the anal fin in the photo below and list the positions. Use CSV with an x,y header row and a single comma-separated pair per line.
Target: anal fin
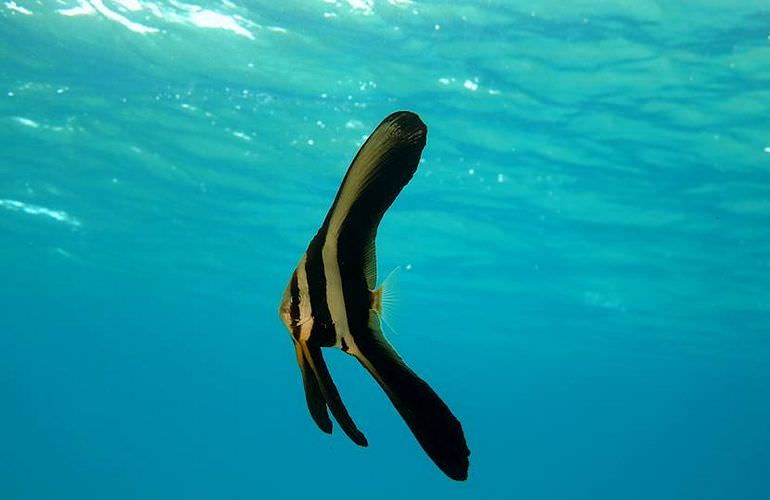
x,y
316,403
330,394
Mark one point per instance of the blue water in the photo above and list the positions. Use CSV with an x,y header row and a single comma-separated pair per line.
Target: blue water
x,y
585,247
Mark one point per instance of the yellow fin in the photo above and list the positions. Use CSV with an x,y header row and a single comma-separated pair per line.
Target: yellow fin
x,y
385,297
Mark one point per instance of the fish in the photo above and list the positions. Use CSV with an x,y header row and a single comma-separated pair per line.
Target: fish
x,y
331,300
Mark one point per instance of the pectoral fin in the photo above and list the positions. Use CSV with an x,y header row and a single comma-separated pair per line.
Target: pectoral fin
x,y
437,430
323,380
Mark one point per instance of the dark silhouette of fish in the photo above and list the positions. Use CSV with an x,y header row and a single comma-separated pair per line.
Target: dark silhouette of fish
x,y
331,299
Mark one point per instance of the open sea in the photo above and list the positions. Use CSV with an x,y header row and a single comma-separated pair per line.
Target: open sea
x,y
584,249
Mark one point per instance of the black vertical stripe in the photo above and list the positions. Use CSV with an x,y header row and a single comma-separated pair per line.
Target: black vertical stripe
x,y
323,332
294,306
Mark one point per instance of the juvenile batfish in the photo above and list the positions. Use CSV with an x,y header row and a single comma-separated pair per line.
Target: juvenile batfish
x,y
331,300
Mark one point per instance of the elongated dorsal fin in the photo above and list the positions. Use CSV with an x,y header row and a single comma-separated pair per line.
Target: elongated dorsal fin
x,y
383,166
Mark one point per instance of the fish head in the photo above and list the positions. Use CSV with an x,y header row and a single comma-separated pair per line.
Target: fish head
x,y
284,310
294,310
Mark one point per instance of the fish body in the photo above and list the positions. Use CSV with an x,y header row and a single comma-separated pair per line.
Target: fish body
x,y
332,300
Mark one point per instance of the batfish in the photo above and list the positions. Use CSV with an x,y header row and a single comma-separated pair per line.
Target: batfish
x,y
332,300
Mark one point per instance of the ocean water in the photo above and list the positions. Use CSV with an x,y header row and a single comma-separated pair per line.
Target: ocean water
x,y
585,248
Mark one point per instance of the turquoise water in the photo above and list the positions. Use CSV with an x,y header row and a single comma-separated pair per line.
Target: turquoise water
x,y
585,247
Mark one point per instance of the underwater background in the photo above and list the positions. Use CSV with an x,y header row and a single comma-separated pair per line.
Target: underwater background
x,y
585,248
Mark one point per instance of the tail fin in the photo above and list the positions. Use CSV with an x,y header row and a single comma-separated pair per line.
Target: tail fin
x,y
437,430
